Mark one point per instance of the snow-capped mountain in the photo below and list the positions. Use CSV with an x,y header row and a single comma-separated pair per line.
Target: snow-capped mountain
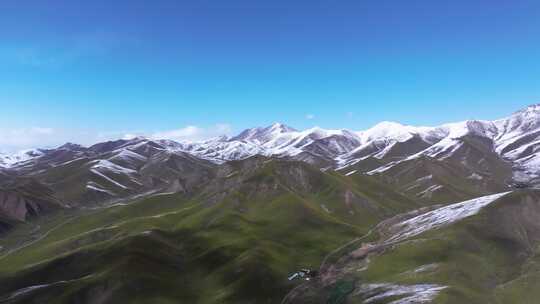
x,y
7,160
261,136
514,140
220,149
518,140
277,140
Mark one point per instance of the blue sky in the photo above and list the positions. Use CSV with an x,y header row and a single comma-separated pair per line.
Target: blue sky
x,y
90,70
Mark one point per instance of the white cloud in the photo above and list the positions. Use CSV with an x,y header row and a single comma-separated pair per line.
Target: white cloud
x,y
184,133
310,116
21,138
193,133
78,48
129,136
42,131
223,129
17,139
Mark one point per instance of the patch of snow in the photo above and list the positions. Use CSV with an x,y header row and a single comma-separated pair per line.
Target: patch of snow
x,y
429,191
233,173
96,187
108,166
475,176
425,178
325,208
26,290
127,155
350,173
426,268
29,289
384,168
9,160
411,294
108,178
440,217
71,161
393,131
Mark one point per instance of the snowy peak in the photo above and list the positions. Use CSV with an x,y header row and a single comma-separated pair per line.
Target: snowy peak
x,y
280,128
72,147
530,110
8,160
275,140
515,139
386,130
469,127
319,132
262,135
521,122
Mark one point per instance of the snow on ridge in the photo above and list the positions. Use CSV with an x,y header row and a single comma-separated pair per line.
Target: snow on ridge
x,y
445,139
519,124
396,132
276,140
107,165
9,160
108,178
100,167
475,176
430,190
96,187
350,173
219,150
386,130
279,140
478,127
411,294
440,217
126,154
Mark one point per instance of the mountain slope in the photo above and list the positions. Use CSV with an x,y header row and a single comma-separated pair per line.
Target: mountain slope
x,y
22,199
469,252
393,214
260,217
514,139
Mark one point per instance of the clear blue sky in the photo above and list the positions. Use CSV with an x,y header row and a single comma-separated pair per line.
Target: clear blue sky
x,y
151,66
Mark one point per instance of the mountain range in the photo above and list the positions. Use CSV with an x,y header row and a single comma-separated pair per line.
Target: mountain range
x,y
512,139
226,219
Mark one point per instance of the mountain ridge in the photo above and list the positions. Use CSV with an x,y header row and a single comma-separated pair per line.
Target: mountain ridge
x,y
281,140
221,219
514,140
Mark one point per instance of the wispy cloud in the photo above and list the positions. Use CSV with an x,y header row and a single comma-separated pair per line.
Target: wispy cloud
x,y
129,136
70,50
194,132
39,57
16,139
310,116
11,139
179,134
185,133
29,56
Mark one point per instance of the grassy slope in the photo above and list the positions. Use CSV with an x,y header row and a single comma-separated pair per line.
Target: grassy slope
x,y
237,249
489,258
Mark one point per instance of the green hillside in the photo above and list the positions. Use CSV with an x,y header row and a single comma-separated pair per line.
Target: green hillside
x,y
262,223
